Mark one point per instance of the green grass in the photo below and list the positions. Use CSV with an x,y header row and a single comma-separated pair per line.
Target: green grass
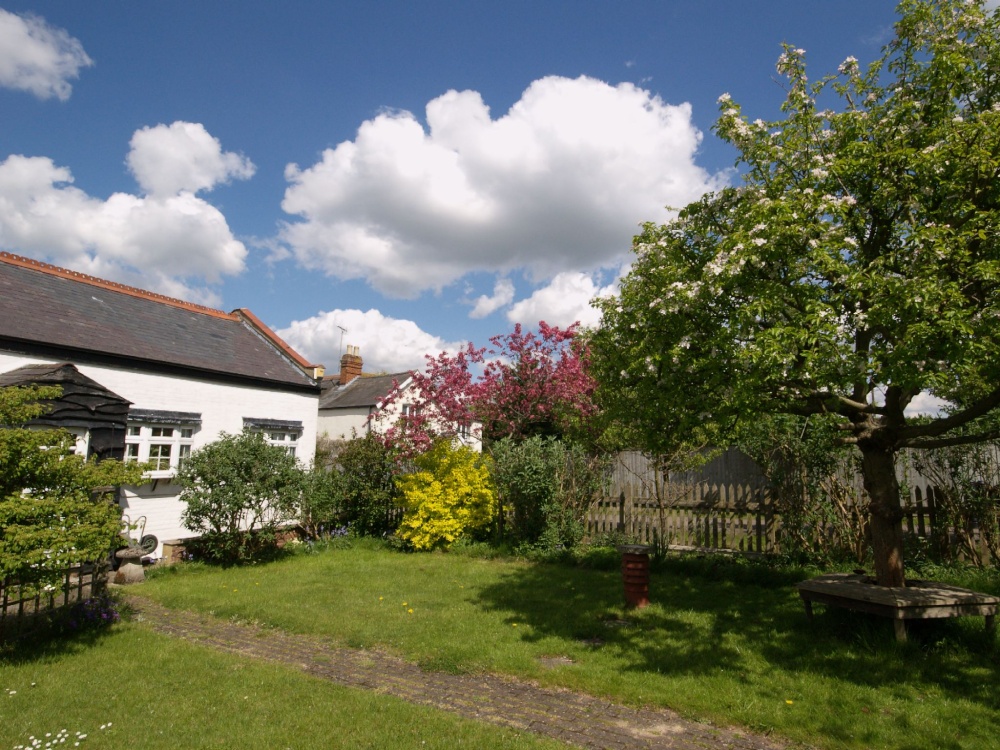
x,y
160,693
723,641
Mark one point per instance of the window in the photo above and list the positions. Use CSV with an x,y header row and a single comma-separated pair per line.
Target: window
x,y
163,439
412,410
280,432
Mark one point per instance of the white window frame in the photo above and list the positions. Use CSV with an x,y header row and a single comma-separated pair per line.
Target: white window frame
x,y
146,436
283,434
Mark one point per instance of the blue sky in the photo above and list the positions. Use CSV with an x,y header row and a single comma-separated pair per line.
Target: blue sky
x,y
420,174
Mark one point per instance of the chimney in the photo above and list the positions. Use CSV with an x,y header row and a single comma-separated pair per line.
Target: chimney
x,y
350,365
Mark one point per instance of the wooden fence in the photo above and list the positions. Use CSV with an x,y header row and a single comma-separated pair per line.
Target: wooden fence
x,y
728,504
22,610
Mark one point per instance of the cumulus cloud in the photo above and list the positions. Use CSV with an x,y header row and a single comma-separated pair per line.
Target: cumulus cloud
x,y
564,301
182,156
927,405
386,344
38,58
172,243
558,183
503,295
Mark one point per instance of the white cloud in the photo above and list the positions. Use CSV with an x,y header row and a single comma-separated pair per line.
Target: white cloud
x,y
182,156
169,243
386,344
38,58
564,301
927,405
503,295
558,183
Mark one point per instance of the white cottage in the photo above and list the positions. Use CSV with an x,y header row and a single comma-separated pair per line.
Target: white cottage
x,y
186,373
354,404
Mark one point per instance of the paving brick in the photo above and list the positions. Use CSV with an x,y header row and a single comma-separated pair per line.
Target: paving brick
x,y
574,718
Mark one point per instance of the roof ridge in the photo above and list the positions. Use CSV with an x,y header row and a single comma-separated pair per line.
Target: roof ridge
x,y
242,313
114,286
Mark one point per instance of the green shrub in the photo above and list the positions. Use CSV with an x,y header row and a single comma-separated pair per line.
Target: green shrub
x,y
322,503
50,516
368,493
451,494
546,487
239,490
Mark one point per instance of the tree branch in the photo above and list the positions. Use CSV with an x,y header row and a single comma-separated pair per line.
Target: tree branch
x,y
941,426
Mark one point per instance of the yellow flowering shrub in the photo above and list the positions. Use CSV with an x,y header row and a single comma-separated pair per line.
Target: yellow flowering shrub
x,y
451,493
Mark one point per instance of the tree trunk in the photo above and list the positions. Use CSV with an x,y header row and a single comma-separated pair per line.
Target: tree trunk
x,y
878,468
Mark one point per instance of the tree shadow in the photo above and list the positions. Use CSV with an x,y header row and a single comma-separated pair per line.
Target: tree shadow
x,y
712,617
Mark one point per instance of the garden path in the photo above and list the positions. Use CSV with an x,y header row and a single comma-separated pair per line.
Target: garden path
x,y
574,718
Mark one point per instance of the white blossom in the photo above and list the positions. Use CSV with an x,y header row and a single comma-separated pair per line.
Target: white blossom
x,y
850,65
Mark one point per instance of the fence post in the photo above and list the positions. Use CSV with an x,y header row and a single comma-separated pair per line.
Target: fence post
x,y
621,513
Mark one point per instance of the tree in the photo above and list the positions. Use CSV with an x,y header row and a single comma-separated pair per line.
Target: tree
x,y
855,268
50,515
239,490
531,384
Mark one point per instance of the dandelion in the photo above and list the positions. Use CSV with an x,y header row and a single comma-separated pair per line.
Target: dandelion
x,y
789,702
409,611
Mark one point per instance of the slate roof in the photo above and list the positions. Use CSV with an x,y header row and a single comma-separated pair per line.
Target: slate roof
x,y
70,312
363,391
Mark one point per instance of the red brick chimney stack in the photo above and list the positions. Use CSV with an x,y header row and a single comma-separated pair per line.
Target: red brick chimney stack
x,y
350,365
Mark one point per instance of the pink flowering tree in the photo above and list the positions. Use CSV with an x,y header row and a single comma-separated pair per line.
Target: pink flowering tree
x,y
530,383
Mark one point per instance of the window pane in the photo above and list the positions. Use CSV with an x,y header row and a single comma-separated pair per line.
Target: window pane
x,y
159,456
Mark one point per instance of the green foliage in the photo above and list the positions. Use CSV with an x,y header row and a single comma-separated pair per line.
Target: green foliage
x,y
966,480
823,514
50,515
856,266
239,490
368,494
448,496
546,487
321,506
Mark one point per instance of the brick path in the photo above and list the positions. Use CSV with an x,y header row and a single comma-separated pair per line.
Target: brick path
x,y
574,718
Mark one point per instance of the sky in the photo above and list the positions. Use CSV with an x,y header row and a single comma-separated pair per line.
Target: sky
x,y
402,177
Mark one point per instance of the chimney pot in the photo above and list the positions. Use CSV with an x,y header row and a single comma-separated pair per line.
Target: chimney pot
x,y
350,365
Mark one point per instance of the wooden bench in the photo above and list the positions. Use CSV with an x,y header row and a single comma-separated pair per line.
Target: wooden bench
x,y
918,600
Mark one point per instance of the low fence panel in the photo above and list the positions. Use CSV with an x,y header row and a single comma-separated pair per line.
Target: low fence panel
x,y
727,504
23,608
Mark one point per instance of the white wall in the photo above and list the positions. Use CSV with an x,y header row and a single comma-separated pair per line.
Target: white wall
x,y
222,407
339,423
344,424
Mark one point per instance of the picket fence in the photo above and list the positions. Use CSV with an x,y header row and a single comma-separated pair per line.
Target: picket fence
x,y
24,609
728,505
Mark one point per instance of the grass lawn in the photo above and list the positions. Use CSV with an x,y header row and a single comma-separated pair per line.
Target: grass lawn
x,y
159,693
723,641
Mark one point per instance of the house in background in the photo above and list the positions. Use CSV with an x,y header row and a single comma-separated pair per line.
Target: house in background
x,y
352,399
186,373
353,403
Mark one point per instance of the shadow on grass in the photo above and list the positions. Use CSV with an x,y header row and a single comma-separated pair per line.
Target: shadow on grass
x,y
51,642
713,615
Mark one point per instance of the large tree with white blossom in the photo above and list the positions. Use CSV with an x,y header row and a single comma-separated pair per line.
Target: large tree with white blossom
x,y
855,268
